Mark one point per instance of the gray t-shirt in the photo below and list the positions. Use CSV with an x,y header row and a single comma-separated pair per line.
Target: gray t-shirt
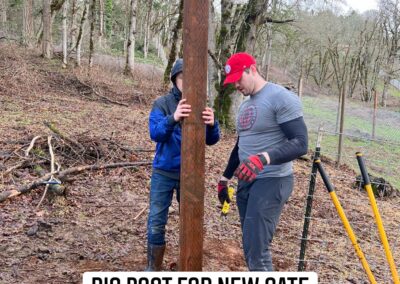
x,y
257,124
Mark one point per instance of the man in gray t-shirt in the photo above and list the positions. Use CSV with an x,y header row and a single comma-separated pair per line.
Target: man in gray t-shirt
x,y
271,134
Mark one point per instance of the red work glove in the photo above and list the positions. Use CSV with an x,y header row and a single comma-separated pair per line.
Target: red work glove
x,y
250,167
223,192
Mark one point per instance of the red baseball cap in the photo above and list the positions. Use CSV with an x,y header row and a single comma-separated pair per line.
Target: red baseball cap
x,y
235,66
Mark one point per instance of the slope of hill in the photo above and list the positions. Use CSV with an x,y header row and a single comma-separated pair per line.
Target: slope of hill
x,y
100,221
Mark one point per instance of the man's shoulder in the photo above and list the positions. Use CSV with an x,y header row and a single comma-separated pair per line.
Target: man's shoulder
x,y
277,89
279,93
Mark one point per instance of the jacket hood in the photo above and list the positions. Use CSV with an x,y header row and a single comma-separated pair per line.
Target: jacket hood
x,y
176,69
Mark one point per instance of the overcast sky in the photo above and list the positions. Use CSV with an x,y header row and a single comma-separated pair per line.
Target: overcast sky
x,y
362,5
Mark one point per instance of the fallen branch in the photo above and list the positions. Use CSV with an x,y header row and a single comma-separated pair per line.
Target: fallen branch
x,y
23,165
63,136
31,145
270,20
17,166
44,194
63,174
52,170
101,96
8,38
140,213
109,100
127,148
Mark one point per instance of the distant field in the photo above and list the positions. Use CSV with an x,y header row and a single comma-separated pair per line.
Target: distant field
x,y
382,155
392,90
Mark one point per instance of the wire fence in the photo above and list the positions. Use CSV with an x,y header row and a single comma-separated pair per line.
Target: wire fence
x,y
329,250
381,151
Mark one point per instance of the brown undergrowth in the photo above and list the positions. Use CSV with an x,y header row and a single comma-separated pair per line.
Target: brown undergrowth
x,y
100,224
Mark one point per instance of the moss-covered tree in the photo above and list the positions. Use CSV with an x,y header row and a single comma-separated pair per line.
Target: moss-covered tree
x,y
230,15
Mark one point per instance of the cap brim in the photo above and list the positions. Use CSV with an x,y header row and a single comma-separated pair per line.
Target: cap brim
x,y
233,77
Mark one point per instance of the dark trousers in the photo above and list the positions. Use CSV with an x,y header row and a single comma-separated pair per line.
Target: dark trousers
x,y
161,192
260,205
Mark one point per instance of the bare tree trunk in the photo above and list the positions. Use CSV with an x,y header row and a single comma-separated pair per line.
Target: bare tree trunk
x,y
269,53
158,45
338,113
374,114
160,51
300,84
27,27
147,30
166,28
130,56
247,36
64,33
72,25
127,25
225,39
212,74
101,22
386,84
47,50
3,16
267,63
389,11
39,33
92,22
180,53
341,130
80,35
175,39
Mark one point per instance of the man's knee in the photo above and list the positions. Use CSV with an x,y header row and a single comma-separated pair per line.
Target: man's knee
x,y
156,234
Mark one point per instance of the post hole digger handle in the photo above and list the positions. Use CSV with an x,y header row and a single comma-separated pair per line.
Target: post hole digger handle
x,y
345,221
226,206
324,176
363,169
378,219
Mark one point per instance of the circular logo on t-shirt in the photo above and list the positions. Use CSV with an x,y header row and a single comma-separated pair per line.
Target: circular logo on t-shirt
x,y
247,117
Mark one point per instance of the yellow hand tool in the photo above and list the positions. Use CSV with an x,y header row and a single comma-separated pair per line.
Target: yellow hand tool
x,y
226,206
345,221
378,219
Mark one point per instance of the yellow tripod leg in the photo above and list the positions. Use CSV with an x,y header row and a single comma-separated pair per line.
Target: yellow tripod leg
x,y
378,219
345,222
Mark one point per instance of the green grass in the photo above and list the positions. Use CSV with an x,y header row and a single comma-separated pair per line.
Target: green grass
x,y
151,59
382,131
382,158
315,108
310,108
392,90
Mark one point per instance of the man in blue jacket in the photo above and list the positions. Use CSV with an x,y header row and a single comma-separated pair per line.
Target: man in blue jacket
x,y
165,129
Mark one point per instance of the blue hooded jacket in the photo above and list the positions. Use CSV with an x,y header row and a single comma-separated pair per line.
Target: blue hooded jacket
x,y
167,132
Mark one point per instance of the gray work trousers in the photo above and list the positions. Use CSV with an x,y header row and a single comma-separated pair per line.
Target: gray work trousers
x,y
260,204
